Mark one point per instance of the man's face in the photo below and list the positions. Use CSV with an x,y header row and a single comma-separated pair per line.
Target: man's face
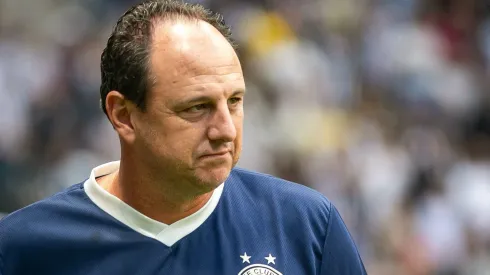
x,y
192,128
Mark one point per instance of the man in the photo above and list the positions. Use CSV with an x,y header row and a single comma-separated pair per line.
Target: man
x,y
173,89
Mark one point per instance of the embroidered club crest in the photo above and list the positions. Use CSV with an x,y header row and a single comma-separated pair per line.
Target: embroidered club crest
x,y
259,269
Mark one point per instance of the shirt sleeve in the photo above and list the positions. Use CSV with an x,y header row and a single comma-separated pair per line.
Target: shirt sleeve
x,y
340,254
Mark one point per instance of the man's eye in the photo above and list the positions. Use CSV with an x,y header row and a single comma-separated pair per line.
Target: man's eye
x,y
235,100
196,108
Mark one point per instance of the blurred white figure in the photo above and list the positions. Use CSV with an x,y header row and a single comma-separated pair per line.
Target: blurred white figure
x,y
383,170
441,231
468,185
26,73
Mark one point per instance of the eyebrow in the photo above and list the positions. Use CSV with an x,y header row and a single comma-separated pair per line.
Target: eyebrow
x,y
206,98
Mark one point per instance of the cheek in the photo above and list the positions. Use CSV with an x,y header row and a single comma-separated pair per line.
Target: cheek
x,y
177,141
152,139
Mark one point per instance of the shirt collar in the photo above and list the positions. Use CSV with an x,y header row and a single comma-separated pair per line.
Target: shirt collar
x,y
167,234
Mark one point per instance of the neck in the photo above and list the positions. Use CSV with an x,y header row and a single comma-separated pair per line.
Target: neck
x,y
158,200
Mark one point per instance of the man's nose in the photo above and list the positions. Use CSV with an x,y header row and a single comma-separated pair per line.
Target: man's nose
x,y
222,127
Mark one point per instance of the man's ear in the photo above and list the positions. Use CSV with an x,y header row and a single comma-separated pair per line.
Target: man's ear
x,y
119,112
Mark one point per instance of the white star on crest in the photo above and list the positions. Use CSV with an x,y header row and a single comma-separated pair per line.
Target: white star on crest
x,y
245,258
270,259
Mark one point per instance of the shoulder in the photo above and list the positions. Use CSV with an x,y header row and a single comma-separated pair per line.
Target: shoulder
x,y
64,197
287,195
40,217
269,185
296,213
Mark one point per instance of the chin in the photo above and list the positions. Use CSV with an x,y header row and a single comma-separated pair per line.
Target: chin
x,y
212,178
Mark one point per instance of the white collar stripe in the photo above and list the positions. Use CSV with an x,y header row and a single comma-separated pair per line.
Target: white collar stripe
x,y
167,234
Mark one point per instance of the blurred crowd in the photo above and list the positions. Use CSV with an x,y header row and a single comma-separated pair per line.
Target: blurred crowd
x,y
382,105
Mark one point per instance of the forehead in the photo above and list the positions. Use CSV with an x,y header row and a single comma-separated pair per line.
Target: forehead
x,y
187,53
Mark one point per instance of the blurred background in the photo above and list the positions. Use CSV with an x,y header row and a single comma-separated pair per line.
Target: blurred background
x,y
382,105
